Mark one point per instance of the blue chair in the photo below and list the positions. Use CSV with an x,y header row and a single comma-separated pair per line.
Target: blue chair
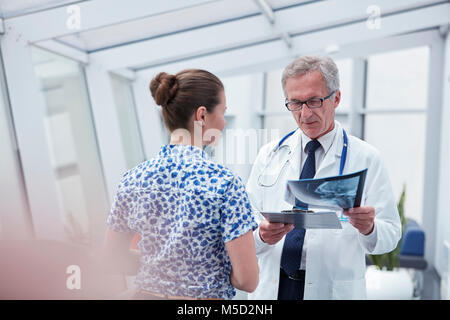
x,y
413,247
412,253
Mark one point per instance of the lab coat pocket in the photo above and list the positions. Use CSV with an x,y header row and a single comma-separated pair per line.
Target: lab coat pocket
x,y
349,289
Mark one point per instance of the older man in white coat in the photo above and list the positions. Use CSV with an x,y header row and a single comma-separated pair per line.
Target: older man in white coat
x,y
328,264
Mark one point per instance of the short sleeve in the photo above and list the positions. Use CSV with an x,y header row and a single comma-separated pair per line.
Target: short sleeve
x,y
118,216
236,212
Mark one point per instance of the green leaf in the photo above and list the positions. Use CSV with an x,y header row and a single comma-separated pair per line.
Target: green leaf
x,y
389,260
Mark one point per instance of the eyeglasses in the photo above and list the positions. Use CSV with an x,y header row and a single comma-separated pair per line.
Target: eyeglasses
x,y
313,103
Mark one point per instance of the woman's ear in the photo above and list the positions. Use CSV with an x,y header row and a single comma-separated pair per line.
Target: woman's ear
x,y
200,115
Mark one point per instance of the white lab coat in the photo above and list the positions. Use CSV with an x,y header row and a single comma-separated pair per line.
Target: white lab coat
x,y
335,259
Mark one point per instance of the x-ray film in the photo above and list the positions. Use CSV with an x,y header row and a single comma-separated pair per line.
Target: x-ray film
x,y
337,192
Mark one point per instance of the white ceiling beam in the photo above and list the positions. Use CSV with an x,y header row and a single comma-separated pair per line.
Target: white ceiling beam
x,y
266,10
88,15
240,60
78,55
375,46
163,24
125,73
275,54
245,31
287,39
64,50
270,16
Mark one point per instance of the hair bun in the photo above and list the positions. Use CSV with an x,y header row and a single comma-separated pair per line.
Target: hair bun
x,y
164,88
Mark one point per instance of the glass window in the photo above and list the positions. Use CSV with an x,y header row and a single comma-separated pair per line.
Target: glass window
x,y
239,145
401,141
277,120
398,80
343,120
129,126
279,125
345,67
165,134
274,95
72,145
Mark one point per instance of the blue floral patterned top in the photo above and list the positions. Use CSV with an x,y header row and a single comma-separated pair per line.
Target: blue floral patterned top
x,y
185,207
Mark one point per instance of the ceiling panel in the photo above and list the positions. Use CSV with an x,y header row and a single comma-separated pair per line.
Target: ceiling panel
x,y
214,12
139,37
13,8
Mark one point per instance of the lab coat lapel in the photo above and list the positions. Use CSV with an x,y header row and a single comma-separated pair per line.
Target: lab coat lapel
x,y
294,167
292,172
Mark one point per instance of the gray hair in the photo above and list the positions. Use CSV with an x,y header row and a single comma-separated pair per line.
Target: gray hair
x,y
303,65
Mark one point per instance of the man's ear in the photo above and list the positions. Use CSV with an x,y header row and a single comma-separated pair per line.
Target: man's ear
x,y
200,114
337,98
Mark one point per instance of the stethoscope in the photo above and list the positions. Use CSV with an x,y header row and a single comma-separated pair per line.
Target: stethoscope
x,y
281,146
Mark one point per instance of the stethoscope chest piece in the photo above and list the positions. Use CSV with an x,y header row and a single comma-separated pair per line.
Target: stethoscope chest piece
x,y
277,162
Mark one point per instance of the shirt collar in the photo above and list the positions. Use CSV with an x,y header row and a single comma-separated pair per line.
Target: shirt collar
x,y
182,150
325,141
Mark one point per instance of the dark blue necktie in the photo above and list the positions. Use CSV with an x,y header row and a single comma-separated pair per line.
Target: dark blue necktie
x,y
293,244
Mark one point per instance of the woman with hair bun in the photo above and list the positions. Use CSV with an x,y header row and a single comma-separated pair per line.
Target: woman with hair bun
x,y
193,215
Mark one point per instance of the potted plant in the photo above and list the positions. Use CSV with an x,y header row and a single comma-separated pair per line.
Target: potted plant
x,y
389,261
385,280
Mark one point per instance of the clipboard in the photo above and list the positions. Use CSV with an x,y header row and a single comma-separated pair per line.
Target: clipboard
x,y
306,219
